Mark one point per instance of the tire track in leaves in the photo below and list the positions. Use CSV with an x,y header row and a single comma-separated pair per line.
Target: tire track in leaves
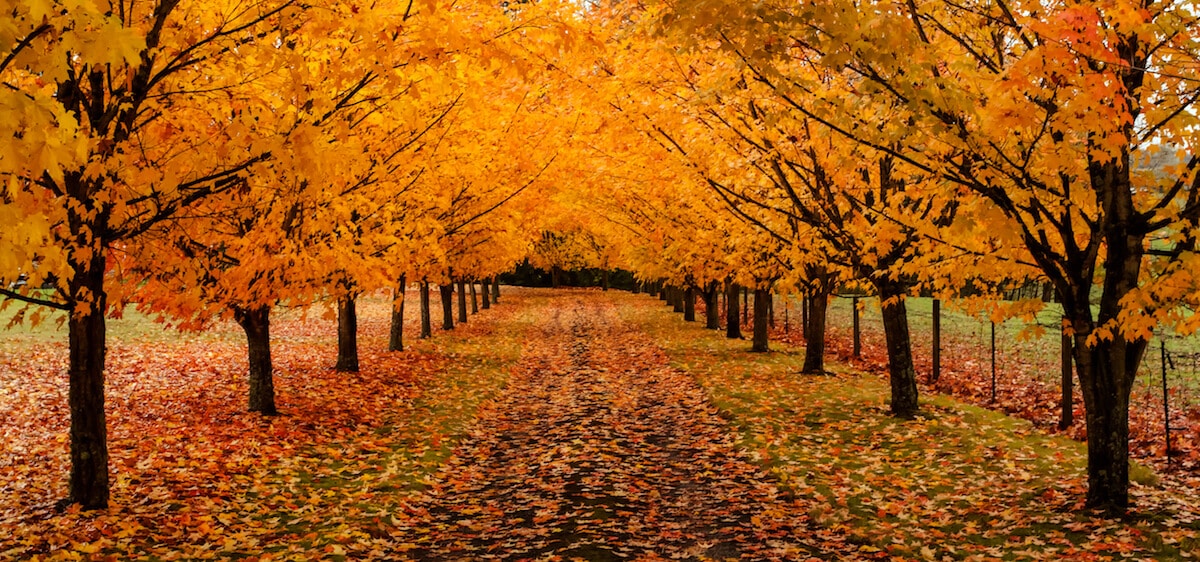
x,y
598,450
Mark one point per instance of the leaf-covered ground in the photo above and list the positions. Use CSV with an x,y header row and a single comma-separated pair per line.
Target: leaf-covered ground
x,y
195,476
960,482
600,450
558,425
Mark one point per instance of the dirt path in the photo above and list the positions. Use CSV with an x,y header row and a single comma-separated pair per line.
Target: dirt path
x,y
598,450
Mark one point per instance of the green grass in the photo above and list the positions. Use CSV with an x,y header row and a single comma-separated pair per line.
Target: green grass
x,y
958,482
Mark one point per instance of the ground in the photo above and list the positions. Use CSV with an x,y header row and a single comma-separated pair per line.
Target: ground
x,y
556,425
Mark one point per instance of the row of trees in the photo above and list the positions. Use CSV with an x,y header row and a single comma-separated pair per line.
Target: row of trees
x,y
952,147
208,159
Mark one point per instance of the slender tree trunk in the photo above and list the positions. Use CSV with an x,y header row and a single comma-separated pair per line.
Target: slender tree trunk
x,y
447,293
733,327
761,311
814,329
745,303
712,306
256,323
462,302
426,322
396,334
901,372
689,304
604,279
677,299
664,292
486,291
495,290
85,394
474,299
347,359
555,277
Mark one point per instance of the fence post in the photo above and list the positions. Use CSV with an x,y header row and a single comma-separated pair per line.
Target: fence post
x,y
993,323
857,336
937,340
1162,347
1068,398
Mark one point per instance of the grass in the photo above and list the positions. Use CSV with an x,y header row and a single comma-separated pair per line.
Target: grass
x,y
959,482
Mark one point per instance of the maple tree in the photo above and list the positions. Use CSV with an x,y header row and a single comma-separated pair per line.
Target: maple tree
x,y
1040,112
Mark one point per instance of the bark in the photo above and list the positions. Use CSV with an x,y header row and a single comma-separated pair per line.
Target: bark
x,y
474,299
486,291
814,330
396,334
676,299
495,291
256,323
733,329
86,342
902,374
447,294
689,304
347,358
604,279
712,306
462,302
1106,385
426,322
761,322
555,277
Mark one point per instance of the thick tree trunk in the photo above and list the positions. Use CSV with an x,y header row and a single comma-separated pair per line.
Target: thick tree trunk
x,y
689,304
426,320
495,291
664,292
256,323
555,277
85,394
733,327
474,299
901,372
814,330
1105,384
712,306
447,294
761,323
676,299
486,291
462,302
396,334
347,358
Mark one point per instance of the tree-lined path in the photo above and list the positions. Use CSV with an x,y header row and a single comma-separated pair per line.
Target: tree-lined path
x,y
599,450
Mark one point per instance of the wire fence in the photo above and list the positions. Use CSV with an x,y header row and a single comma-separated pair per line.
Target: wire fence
x,y
1021,372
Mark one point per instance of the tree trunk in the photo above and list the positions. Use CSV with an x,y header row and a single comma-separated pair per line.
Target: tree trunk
x,y
712,306
555,277
85,394
733,329
347,359
689,304
604,279
462,302
486,290
901,372
664,292
676,299
396,334
447,292
814,330
495,291
1106,385
426,322
745,303
256,323
761,311
474,299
